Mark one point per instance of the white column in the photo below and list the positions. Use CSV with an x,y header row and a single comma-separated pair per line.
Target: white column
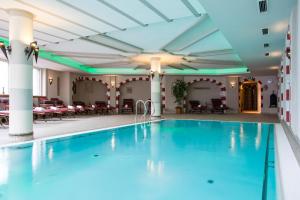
x,y
155,87
20,73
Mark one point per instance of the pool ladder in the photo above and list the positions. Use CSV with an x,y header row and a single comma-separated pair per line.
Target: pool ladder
x,y
144,116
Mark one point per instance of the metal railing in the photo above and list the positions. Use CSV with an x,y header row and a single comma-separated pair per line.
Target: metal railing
x,y
144,115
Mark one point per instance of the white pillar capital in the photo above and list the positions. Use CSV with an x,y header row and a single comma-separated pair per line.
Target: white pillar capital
x,y
155,64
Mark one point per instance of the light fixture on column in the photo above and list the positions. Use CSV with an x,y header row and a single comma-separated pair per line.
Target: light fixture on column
x,y
152,74
5,49
32,48
50,79
161,75
232,84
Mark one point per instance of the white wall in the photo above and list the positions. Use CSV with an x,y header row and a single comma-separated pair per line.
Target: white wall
x,y
203,91
232,93
295,71
65,86
89,91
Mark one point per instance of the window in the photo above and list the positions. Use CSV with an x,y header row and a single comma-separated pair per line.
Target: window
x,y
3,77
36,87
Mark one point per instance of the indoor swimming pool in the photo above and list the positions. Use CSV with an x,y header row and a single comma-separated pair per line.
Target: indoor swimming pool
x,y
168,159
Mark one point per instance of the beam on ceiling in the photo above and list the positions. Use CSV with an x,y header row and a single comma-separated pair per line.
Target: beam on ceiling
x,y
121,12
196,24
58,28
189,67
155,10
113,43
198,39
112,64
85,54
47,41
191,8
212,53
91,15
57,16
175,67
216,62
141,67
49,34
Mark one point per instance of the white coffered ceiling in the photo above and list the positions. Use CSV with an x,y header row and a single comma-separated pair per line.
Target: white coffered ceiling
x,y
109,33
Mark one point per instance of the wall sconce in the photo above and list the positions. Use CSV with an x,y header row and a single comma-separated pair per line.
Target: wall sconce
x,y
50,79
32,48
5,49
232,84
113,81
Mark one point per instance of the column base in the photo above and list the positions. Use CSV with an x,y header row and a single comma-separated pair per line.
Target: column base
x,y
21,137
155,117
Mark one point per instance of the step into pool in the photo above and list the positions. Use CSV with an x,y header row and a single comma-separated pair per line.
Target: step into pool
x,y
168,159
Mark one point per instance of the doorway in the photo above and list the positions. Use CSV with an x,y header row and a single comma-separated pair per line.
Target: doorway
x,y
250,97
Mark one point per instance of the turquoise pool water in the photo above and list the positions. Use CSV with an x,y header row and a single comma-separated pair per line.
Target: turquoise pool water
x,y
171,159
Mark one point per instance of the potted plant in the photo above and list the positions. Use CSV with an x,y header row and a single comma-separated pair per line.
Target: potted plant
x,y
179,89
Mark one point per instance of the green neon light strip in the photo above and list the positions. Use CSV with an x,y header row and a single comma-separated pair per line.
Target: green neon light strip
x,y
130,71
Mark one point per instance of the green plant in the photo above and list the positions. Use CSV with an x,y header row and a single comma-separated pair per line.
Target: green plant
x,y
179,89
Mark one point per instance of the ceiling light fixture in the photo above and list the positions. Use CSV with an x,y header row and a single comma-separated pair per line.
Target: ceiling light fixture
x,y
275,53
263,6
266,45
265,31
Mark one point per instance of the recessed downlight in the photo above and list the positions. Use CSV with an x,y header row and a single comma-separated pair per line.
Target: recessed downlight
x,y
265,31
266,45
267,54
263,6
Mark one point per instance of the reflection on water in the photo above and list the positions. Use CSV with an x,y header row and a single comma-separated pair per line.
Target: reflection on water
x,y
232,141
4,166
50,153
258,137
37,155
242,135
155,168
113,142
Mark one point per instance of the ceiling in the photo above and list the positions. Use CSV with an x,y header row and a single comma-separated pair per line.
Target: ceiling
x,y
199,36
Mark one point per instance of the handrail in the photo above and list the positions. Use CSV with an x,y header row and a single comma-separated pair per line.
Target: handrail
x,y
145,108
136,108
152,107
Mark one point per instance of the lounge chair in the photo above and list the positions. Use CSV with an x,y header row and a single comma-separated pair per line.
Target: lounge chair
x,y
127,106
196,107
101,107
218,106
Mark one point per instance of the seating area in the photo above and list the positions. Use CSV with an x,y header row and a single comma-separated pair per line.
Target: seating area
x,y
54,108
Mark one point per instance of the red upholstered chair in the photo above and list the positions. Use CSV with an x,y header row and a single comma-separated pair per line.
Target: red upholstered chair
x,y
101,107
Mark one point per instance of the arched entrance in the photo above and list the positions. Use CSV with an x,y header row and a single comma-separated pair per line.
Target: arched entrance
x,y
250,97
